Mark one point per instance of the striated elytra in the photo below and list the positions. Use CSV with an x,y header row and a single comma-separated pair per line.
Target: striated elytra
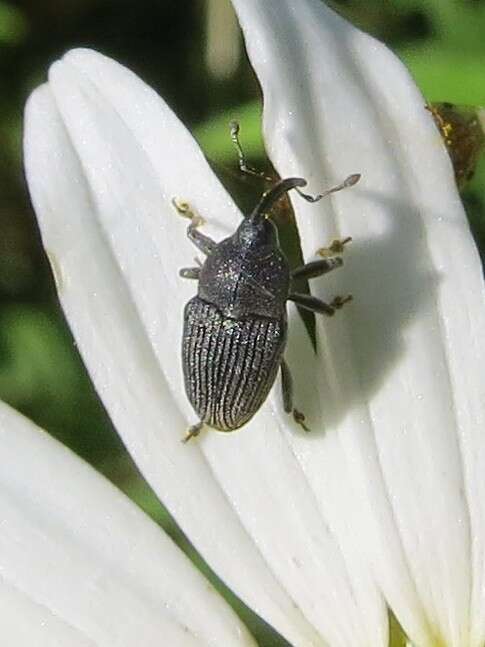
x,y
235,328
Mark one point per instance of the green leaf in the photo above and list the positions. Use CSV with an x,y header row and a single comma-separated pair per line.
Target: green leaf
x,y
447,75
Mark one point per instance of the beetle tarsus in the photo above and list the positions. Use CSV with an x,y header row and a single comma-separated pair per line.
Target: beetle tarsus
x,y
299,418
286,386
339,302
193,432
190,273
185,210
335,248
202,242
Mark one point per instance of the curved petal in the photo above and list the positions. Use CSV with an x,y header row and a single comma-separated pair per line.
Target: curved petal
x,y
104,157
400,471
82,565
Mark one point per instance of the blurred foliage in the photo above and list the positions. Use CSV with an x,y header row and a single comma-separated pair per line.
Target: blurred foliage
x,y
165,43
13,27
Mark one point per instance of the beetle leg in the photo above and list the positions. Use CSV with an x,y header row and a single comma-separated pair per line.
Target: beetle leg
x,y
202,242
193,431
339,302
310,302
190,272
336,247
287,388
316,268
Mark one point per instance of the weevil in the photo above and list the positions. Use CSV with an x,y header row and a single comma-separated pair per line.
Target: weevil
x,y
235,328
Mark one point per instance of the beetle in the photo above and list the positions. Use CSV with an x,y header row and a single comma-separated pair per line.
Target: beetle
x,y
235,328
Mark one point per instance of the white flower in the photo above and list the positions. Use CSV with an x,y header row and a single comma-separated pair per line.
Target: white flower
x,y
82,566
381,504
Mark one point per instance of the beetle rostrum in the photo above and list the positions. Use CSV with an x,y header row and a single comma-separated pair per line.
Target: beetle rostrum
x,y
235,328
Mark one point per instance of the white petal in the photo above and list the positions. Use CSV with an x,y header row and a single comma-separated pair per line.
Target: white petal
x,y
113,239
81,565
401,370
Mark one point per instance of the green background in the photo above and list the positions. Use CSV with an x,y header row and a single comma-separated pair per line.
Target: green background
x,y
165,42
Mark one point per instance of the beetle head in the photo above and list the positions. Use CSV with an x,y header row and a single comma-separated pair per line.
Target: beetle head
x,y
256,232
257,235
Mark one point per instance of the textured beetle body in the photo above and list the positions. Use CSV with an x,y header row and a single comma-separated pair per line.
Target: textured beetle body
x,y
235,328
229,364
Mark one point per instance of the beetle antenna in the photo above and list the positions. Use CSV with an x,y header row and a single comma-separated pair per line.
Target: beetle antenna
x,y
349,181
244,167
272,195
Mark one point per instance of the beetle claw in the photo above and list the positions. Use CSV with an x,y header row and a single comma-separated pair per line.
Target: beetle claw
x,y
335,248
339,302
193,432
184,209
299,418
